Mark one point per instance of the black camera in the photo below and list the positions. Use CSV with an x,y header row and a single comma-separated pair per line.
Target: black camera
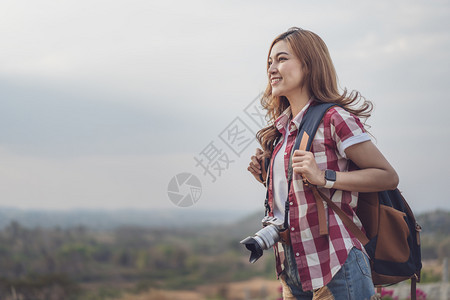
x,y
264,238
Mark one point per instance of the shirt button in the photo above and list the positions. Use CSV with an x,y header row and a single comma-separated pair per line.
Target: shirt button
x,y
291,203
297,254
285,153
292,228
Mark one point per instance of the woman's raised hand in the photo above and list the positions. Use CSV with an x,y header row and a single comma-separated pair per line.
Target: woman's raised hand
x,y
304,163
255,165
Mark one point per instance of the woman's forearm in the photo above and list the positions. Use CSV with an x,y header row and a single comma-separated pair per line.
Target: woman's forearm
x,y
375,174
367,180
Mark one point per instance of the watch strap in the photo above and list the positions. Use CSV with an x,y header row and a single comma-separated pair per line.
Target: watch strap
x,y
329,184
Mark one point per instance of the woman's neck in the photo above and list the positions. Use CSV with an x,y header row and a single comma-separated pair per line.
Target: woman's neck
x,y
297,102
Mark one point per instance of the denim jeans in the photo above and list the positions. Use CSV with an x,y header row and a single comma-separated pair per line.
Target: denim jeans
x,y
352,282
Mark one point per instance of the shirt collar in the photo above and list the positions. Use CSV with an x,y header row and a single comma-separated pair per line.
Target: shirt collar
x,y
282,121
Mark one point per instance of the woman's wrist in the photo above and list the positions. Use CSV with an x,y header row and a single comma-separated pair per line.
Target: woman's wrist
x,y
321,179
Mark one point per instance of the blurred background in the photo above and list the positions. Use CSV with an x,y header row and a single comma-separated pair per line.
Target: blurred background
x,y
126,128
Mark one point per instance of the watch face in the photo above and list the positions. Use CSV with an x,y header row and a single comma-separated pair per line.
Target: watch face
x,y
330,175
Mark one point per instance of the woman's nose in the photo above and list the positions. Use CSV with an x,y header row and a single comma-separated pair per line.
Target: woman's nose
x,y
272,69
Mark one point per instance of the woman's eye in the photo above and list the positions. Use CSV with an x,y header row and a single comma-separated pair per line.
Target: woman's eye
x,y
269,63
282,58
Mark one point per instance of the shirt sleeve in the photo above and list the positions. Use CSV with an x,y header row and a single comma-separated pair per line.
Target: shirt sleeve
x,y
346,129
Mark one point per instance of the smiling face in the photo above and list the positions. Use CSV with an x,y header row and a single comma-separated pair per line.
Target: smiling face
x,y
285,72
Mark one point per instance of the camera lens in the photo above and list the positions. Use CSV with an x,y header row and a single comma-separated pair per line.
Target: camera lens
x,y
263,240
269,236
255,249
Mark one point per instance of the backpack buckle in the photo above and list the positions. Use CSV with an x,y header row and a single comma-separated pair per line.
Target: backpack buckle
x,y
418,230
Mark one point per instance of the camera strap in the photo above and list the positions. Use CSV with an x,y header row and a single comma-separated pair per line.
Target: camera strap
x,y
266,167
266,202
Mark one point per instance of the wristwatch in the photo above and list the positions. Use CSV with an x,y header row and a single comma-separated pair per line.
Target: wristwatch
x,y
330,178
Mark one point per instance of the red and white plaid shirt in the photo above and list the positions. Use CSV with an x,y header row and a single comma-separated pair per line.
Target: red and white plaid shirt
x,y
318,257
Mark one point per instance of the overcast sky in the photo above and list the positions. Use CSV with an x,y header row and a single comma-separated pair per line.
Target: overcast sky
x,y
104,102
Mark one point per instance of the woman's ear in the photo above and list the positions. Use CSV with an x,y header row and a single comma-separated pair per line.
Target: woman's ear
x,y
305,69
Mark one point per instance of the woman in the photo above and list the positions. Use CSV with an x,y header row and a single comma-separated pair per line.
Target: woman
x,y
342,162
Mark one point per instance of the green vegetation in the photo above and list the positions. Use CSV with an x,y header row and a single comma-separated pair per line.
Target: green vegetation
x,y
435,235
82,263
35,263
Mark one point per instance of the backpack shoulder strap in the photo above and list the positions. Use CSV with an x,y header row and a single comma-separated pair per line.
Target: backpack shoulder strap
x,y
308,129
309,124
342,215
305,136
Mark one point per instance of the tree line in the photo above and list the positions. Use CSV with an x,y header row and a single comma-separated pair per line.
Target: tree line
x,y
36,262
85,263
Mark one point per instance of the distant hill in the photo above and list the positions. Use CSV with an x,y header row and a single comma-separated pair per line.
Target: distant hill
x,y
109,219
436,222
226,221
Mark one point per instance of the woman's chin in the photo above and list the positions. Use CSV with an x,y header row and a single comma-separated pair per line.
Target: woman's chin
x,y
276,93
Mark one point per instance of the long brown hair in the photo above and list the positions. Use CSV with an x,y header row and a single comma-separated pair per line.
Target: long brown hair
x,y
321,80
